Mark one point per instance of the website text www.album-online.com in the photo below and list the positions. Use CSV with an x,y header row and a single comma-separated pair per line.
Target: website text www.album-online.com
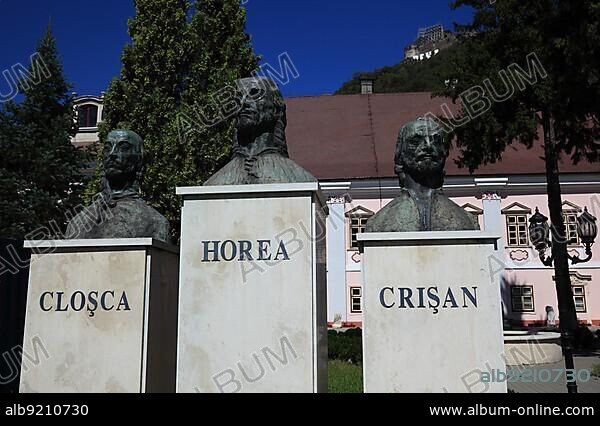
x,y
534,410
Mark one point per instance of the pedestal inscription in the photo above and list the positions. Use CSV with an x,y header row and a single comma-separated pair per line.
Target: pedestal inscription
x,y
432,313
253,294
103,314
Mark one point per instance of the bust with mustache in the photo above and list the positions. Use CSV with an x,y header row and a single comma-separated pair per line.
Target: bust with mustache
x,y
119,211
260,154
421,153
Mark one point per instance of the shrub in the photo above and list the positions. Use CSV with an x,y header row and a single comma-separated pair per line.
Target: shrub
x,y
584,338
345,346
354,332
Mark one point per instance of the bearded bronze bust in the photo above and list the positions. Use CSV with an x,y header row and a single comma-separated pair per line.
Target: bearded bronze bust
x,y
421,153
119,211
260,154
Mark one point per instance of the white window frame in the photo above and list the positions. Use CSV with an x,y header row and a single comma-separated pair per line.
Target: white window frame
x,y
522,296
366,87
356,294
516,226
571,212
362,215
579,293
98,111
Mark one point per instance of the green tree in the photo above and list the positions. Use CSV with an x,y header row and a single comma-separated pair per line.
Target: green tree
x,y
40,171
406,76
183,57
147,95
542,54
221,53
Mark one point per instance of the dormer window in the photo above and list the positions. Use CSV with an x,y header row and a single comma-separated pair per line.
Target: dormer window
x,y
367,81
357,220
517,224
570,214
87,116
366,87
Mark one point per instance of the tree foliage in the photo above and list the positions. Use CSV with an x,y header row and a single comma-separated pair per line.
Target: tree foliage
x,y
40,170
182,55
562,36
406,76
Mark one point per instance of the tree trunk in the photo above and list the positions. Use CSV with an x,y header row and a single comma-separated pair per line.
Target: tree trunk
x,y
564,291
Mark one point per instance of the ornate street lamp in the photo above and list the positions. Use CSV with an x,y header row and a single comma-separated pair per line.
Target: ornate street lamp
x,y
539,234
587,231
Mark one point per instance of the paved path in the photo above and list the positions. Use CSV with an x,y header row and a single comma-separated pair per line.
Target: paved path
x,y
582,362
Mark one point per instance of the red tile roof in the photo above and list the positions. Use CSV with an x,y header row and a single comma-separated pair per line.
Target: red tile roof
x,y
354,136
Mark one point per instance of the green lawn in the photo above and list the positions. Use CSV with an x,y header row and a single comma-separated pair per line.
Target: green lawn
x,y
345,377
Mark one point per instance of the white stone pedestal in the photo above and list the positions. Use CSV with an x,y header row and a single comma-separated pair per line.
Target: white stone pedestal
x,y
432,313
101,317
253,308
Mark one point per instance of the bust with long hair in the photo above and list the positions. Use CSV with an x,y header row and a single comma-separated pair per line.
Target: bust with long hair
x,y
260,154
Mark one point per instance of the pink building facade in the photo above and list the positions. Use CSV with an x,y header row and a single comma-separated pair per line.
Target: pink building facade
x,y
503,206
348,142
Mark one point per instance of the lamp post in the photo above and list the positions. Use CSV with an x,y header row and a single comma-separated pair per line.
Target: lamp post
x,y
539,233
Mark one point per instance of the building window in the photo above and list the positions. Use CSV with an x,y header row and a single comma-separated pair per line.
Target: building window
x,y
357,221
516,228
87,116
571,227
358,225
579,298
579,283
356,300
522,299
570,213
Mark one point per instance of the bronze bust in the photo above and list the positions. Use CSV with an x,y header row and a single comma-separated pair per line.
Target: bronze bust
x,y
421,153
119,211
260,154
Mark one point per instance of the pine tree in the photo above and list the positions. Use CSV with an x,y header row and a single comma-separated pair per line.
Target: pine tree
x,y
221,53
147,95
183,54
40,170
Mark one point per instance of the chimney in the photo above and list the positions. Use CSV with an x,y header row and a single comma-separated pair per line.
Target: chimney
x,y
366,84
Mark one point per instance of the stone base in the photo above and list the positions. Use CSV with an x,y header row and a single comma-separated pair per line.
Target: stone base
x,y
252,313
524,348
101,317
432,313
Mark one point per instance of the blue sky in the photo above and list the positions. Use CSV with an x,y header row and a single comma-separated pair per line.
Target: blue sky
x,y
327,40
